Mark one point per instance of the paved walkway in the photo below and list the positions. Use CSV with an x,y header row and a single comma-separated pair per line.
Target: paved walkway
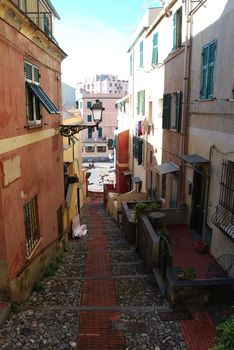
x,y
102,298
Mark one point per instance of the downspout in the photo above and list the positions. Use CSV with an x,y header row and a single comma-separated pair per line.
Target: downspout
x,y
133,106
186,95
207,194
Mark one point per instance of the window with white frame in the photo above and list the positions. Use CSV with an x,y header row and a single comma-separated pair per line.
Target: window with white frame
x,y
32,74
89,149
36,96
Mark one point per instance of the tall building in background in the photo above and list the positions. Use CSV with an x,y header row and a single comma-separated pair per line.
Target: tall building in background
x,y
102,83
98,144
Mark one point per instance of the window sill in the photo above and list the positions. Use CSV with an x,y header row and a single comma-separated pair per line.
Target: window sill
x,y
35,248
34,126
205,99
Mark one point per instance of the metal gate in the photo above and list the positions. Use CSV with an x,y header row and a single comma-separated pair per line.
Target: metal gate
x,y
165,257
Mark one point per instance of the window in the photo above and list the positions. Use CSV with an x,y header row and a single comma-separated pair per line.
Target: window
x,y
35,96
138,149
89,118
224,215
90,132
155,49
89,149
177,28
99,133
80,104
89,104
174,191
208,70
32,102
47,28
131,64
172,109
141,102
31,224
141,54
101,149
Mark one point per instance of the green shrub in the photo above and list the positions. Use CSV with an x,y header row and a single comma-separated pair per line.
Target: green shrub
x,y
38,286
225,335
51,269
140,208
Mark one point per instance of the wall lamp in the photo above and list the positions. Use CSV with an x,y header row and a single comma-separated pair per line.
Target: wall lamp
x,y
72,129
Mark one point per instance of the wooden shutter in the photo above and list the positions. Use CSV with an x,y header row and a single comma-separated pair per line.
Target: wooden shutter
x,y
138,102
166,111
179,96
178,27
211,70
174,31
28,71
131,64
155,49
141,54
143,102
99,133
205,60
140,151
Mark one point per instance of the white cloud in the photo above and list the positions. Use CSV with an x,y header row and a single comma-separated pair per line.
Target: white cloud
x,y
91,48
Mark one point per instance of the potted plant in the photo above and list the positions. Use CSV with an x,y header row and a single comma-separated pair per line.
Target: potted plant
x,y
186,274
201,246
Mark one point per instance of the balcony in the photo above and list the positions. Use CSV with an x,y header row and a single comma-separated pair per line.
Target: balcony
x,y
41,12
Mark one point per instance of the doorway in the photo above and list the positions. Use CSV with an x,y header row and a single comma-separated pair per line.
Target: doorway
x,y
198,195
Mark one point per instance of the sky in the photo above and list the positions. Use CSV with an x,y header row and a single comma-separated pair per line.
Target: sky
x,y
96,34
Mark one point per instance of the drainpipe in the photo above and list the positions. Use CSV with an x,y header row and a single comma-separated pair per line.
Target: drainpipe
x,y
186,95
133,104
207,194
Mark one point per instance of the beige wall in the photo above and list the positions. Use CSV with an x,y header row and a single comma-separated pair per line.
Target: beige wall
x,y
211,124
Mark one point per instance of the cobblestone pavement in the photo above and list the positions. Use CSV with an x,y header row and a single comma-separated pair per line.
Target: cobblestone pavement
x,y
100,298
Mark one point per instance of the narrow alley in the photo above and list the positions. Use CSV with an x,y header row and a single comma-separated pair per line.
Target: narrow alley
x,y
101,298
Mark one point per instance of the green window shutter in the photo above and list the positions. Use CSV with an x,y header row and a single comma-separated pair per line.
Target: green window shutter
x,y
177,28
140,151
174,31
143,102
141,54
99,133
89,118
155,49
138,102
131,64
179,96
89,104
211,70
90,131
205,59
166,111
208,70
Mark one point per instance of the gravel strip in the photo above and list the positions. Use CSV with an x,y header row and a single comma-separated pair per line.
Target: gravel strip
x,y
145,330
42,330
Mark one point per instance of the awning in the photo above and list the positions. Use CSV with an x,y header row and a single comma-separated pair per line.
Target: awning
x,y
194,159
119,131
167,168
127,172
43,98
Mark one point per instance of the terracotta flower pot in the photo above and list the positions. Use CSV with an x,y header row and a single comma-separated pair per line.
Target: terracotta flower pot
x,y
201,247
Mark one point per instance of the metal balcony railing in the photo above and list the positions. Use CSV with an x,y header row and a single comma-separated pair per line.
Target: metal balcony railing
x,y
40,13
